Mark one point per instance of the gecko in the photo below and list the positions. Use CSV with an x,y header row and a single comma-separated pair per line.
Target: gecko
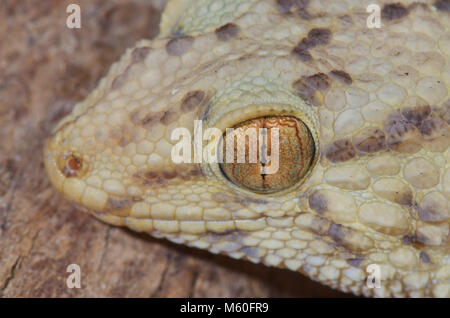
x,y
362,116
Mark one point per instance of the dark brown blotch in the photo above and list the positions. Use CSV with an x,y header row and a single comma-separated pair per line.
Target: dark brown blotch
x,y
409,239
301,53
164,117
192,100
370,140
162,177
416,115
285,6
169,117
405,198
355,262
442,5
341,77
119,204
305,92
319,36
423,239
317,202
221,197
148,120
338,233
251,252
424,258
304,14
246,200
120,79
340,151
320,225
319,81
227,32
139,54
316,36
432,212
398,126
394,11
179,45
433,127
410,128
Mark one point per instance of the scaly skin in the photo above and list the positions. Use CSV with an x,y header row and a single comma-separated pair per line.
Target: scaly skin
x,y
375,100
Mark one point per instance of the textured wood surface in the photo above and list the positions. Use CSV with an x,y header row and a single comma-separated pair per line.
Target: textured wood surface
x,y
45,68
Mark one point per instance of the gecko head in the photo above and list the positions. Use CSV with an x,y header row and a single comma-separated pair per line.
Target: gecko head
x,y
114,153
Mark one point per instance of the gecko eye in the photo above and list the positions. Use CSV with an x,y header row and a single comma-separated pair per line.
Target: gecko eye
x,y
267,154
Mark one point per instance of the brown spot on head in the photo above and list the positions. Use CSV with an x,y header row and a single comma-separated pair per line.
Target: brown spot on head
x,y
167,176
349,238
408,239
168,117
246,200
304,14
151,178
227,32
285,6
139,54
121,78
192,100
434,127
319,36
398,126
424,238
119,204
316,224
370,140
424,258
403,135
164,117
118,81
319,81
337,232
301,53
147,120
405,198
341,76
346,20
442,5
340,150
416,115
355,262
251,252
433,208
179,45
221,197
305,92
394,11
317,202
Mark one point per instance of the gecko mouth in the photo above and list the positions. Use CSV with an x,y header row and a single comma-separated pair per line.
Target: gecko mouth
x,y
267,154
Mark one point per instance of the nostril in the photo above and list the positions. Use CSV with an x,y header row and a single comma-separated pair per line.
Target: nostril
x,y
71,165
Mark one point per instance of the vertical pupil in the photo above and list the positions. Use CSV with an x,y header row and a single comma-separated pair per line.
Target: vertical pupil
x,y
284,153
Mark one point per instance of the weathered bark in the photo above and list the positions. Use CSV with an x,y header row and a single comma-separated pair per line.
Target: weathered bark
x,y
45,68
